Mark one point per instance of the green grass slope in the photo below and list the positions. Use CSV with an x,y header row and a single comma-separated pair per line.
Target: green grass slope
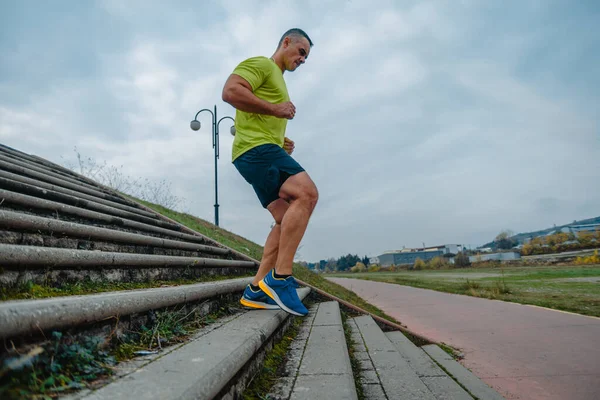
x,y
255,251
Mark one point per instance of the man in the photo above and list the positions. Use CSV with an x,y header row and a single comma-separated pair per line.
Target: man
x,y
262,155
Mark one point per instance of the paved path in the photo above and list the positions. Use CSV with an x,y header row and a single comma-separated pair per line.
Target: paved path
x,y
523,352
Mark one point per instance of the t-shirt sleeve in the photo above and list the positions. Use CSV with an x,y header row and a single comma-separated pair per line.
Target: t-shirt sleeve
x,y
255,70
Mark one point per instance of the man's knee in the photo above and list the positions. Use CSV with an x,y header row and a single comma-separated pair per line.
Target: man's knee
x,y
311,196
308,196
300,188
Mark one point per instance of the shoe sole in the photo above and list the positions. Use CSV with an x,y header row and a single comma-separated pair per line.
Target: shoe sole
x,y
271,293
258,305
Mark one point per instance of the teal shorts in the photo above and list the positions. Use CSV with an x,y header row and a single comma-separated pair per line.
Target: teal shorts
x,y
266,168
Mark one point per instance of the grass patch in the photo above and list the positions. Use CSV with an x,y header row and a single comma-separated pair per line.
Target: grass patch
x,y
255,251
273,363
353,360
339,291
59,365
449,350
469,284
568,288
212,231
65,363
32,290
169,326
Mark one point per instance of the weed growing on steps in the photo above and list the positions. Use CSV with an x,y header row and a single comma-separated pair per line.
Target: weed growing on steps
x,y
61,363
170,326
353,360
449,350
30,290
274,360
65,363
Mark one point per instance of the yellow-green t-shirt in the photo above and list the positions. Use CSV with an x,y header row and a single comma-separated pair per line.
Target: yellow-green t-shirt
x,y
267,83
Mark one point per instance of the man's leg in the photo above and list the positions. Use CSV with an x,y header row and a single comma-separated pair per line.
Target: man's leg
x,y
278,209
301,193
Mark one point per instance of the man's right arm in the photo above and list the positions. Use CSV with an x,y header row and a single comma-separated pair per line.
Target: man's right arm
x,y
238,92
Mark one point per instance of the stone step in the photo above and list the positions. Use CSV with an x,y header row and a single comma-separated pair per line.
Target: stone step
x,y
8,166
441,385
388,375
206,368
14,153
21,257
47,265
52,230
28,196
465,377
25,317
30,205
8,178
325,371
31,167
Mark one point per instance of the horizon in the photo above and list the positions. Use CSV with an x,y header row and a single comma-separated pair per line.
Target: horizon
x,y
428,122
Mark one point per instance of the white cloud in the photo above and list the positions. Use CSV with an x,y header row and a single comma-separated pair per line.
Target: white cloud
x,y
421,122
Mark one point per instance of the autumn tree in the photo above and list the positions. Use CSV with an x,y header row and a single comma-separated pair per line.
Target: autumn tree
x,y
585,237
504,241
359,267
527,249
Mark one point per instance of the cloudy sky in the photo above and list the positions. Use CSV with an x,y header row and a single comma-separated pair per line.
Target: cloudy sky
x,y
420,121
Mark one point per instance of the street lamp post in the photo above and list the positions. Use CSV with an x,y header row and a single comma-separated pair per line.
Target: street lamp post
x,y
195,125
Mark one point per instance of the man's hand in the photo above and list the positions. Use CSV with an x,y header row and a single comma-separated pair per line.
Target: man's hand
x,y
288,146
284,110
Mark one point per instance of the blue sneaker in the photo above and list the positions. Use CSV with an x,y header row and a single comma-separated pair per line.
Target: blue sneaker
x,y
283,291
294,283
258,299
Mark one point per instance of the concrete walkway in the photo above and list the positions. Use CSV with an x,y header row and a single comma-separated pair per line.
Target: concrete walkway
x,y
523,352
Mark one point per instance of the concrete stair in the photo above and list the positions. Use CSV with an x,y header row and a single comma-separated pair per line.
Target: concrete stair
x,y
213,365
57,227
325,371
60,227
395,368
396,377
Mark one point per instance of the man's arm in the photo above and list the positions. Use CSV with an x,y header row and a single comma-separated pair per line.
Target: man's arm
x,y
288,145
238,92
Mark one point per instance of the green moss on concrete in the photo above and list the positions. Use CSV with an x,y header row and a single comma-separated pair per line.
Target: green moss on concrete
x,y
32,290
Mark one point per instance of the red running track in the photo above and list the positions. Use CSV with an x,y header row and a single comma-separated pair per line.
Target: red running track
x,y
523,352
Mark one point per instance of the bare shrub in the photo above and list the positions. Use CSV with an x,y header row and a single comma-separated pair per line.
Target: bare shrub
x,y
437,263
419,264
113,177
462,260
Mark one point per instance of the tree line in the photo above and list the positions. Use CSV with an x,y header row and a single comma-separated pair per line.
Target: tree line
x,y
343,263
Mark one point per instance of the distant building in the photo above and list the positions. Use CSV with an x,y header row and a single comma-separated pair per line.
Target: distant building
x,y
504,256
580,228
374,260
571,229
409,256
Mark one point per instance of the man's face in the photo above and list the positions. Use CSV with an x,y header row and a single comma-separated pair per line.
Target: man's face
x,y
296,52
